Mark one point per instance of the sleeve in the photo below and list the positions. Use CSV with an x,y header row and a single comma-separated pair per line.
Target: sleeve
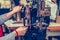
x,y
48,3
3,18
10,36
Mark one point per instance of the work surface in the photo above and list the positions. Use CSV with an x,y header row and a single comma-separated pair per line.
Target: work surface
x,y
53,29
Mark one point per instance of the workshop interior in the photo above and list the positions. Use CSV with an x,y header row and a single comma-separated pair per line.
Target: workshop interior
x,y
42,17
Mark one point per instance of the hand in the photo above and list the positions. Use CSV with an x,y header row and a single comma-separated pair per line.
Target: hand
x,y
21,31
17,8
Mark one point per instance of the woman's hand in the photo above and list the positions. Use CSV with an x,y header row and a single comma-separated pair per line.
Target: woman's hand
x,y
17,9
21,31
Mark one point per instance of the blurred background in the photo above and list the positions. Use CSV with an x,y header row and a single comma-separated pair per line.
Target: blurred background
x,y
42,12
